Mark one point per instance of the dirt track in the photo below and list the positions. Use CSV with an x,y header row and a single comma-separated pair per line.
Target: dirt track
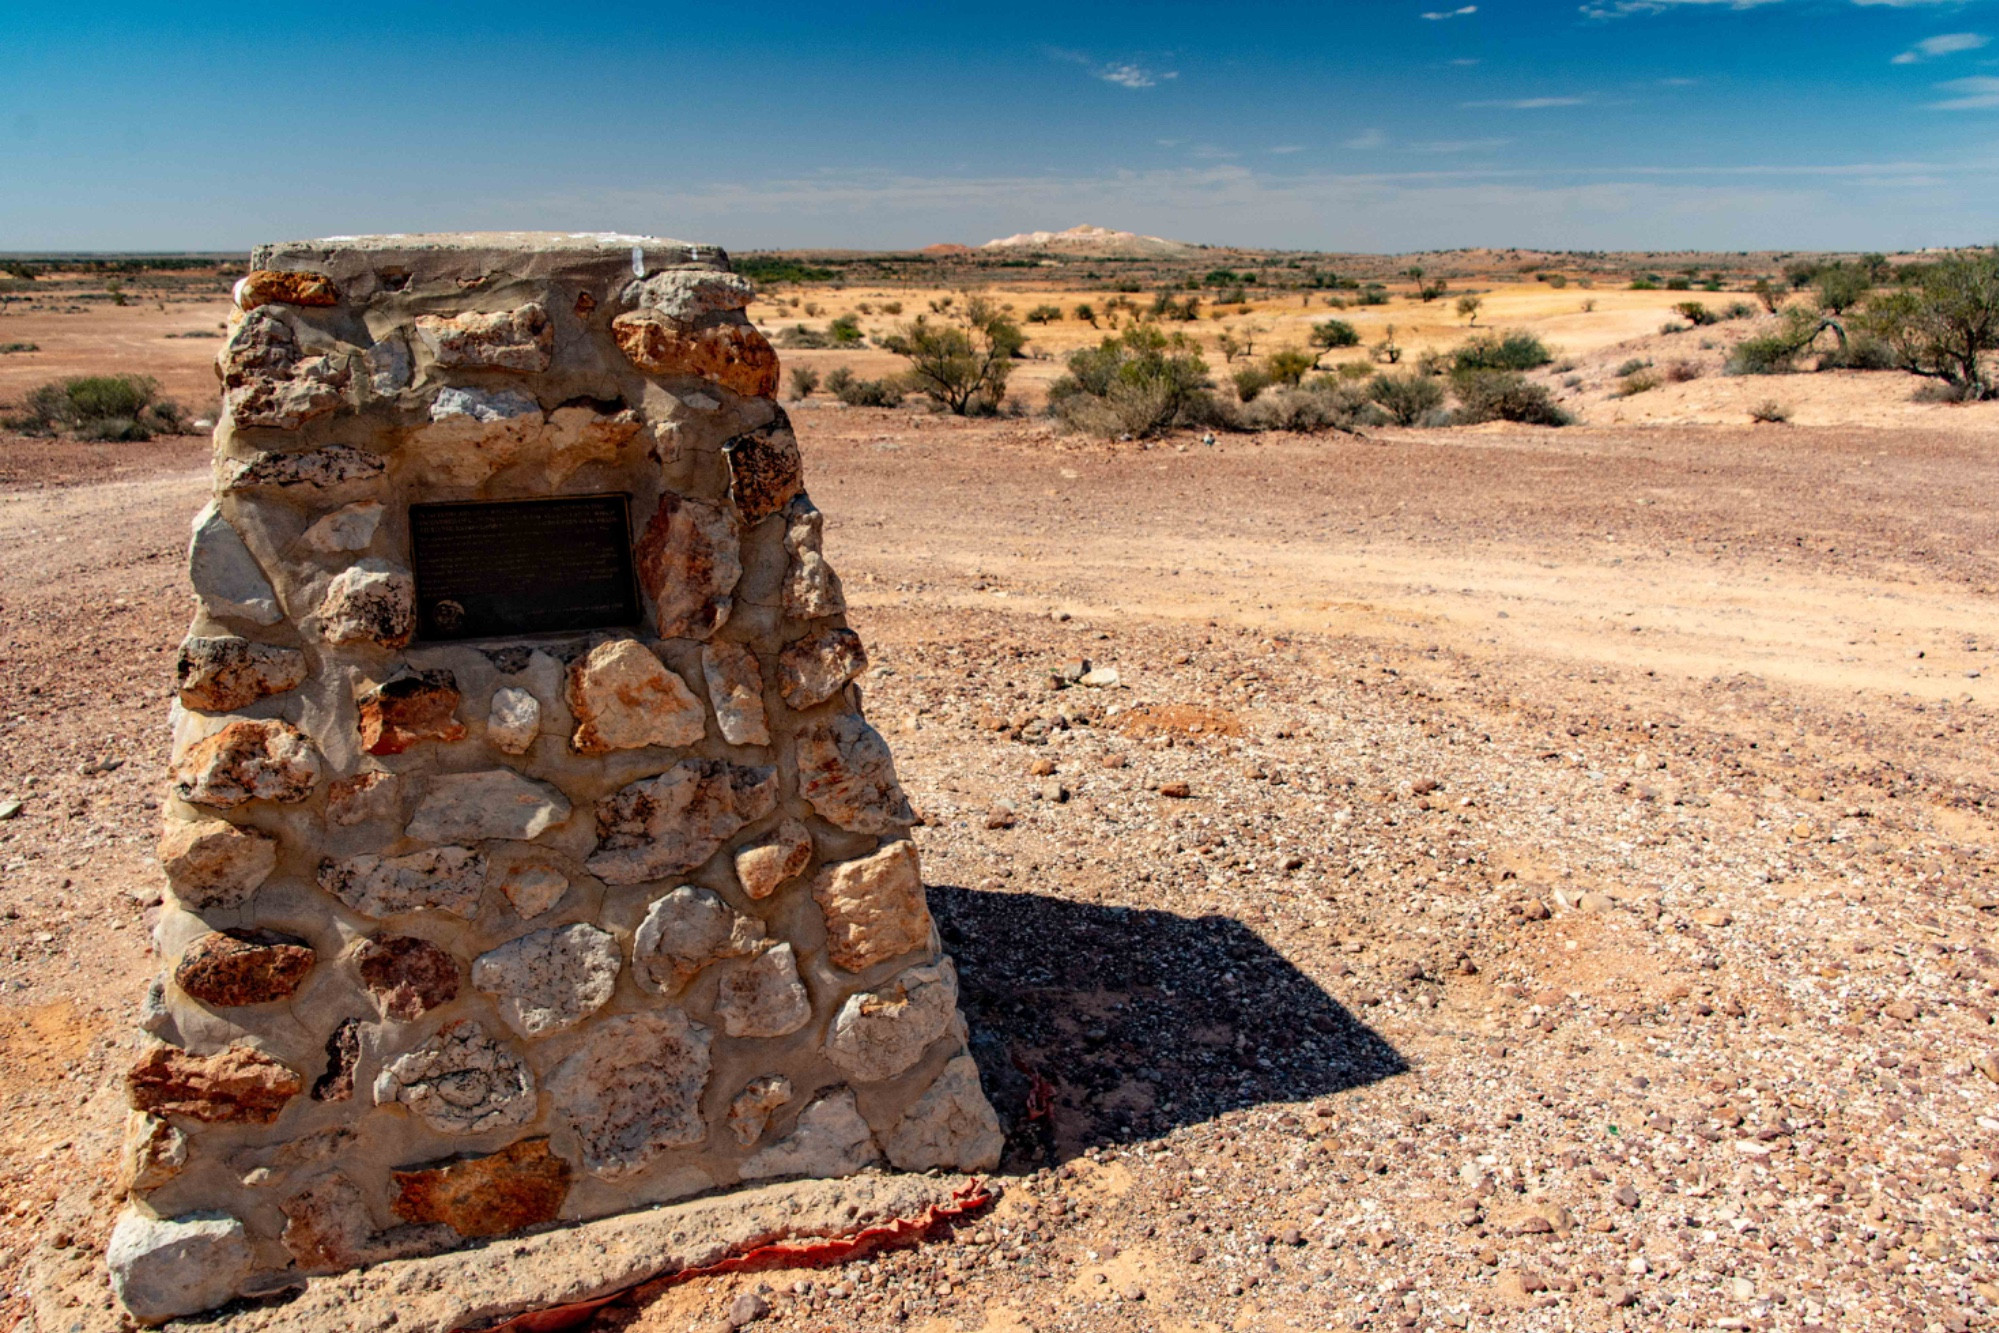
x,y
1567,813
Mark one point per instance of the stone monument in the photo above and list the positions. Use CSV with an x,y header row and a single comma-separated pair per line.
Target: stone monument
x,y
530,857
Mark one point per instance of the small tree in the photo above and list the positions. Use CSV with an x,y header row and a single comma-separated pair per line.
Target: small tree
x,y
1468,309
1387,351
1840,287
1942,325
1288,365
1044,314
1334,333
1767,292
804,379
1087,313
962,364
845,332
1407,398
1136,384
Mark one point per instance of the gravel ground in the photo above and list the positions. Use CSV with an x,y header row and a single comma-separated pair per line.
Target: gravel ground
x,y
1332,968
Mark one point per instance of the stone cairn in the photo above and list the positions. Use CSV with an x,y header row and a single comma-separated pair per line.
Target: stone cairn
x,y
468,935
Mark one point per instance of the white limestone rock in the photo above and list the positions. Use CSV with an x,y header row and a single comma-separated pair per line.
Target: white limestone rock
x,y
684,932
762,866
474,433
514,719
346,529
443,879
534,889
372,601
492,803
163,1268
388,365
750,1112
460,1082
632,1090
879,1034
763,996
830,1139
670,824
226,577
950,1126
811,588
552,979
846,772
686,295
736,691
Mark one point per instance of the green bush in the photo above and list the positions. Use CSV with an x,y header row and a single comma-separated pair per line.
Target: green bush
x,y
1324,404
798,336
1770,412
962,365
99,407
1944,323
1632,367
1641,382
1496,351
6,348
1136,384
766,269
1044,314
1695,313
1505,395
1335,333
1087,314
1738,310
1251,381
1407,398
1840,287
1288,365
1863,351
1373,294
854,391
804,379
845,332
1769,354
1679,284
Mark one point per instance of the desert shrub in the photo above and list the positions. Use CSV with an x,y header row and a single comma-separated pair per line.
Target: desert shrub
x,y
1862,351
804,379
887,391
1250,381
1769,354
961,364
845,332
1589,305
1738,310
1572,382
1644,285
1936,391
838,378
764,270
1695,313
1631,367
798,336
891,307
1044,314
99,407
1406,397
1505,395
1944,323
1840,287
1353,370
1139,383
1288,365
1431,290
1557,281
6,348
1679,284
1681,372
1323,404
1674,326
1373,294
1642,382
1087,314
1335,333
1770,412
1496,351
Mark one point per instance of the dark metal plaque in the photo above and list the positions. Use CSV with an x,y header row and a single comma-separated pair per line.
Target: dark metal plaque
x,y
508,567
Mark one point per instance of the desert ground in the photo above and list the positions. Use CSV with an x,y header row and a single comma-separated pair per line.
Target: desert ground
x,y
1520,879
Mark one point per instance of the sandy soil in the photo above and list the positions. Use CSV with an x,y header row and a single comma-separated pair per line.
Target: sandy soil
x,y
1523,879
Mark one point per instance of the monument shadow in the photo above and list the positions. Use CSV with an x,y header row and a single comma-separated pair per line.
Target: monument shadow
x,y
1094,1025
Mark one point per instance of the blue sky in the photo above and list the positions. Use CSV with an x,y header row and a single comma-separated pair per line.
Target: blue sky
x,y
1612,124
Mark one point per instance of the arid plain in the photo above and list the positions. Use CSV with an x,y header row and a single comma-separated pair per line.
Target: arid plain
x,y
1520,878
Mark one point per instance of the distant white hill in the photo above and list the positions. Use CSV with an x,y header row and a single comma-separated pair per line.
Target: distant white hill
x,y
1092,240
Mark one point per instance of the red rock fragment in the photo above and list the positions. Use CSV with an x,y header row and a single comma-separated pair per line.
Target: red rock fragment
x,y
735,356
235,967
519,1186
238,1084
285,287
411,708
406,975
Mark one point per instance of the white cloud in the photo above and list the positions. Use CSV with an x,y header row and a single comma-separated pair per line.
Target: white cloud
x,y
1465,60
1284,148
1944,44
1978,93
1368,139
1459,145
1617,9
1529,103
1436,14
1127,75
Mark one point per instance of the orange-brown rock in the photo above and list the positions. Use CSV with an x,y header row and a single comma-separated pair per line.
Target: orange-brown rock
x,y
415,707
238,1084
734,356
266,286
765,471
519,1186
215,864
689,560
248,760
624,698
229,968
406,975
521,340
874,907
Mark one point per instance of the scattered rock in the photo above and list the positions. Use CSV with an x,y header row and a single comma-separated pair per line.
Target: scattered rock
x,y
162,1268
